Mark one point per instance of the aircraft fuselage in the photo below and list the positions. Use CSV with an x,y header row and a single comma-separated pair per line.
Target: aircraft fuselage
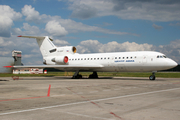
x,y
141,61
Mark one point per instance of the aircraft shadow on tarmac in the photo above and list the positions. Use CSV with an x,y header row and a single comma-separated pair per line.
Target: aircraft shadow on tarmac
x,y
85,78
4,80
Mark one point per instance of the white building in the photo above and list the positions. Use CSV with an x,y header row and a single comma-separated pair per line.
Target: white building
x,y
28,71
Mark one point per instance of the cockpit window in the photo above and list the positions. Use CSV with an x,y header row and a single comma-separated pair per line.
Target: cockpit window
x,y
164,56
161,56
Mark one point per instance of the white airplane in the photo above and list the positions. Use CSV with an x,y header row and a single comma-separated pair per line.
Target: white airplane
x,y
66,59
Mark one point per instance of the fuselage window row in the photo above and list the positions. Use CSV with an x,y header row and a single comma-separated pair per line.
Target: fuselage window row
x,y
125,57
101,58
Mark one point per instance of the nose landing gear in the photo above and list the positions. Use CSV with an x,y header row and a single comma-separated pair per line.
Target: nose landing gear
x,y
152,77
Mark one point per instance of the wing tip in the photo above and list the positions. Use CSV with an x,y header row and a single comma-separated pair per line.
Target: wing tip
x,y
19,36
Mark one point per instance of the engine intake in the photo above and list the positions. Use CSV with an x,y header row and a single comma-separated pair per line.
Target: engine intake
x,y
66,50
60,60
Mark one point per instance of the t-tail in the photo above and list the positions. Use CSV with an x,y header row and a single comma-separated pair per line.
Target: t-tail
x,y
52,54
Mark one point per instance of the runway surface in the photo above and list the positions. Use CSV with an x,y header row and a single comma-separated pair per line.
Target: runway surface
x,y
106,98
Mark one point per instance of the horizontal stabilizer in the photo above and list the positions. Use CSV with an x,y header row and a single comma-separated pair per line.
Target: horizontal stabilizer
x,y
36,37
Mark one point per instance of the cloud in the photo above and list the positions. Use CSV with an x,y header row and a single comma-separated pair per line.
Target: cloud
x,y
5,47
83,11
16,31
74,27
64,25
55,29
27,29
61,42
157,27
93,46
172,50
8,15
31,14
1,40
175,24
30,30
154,10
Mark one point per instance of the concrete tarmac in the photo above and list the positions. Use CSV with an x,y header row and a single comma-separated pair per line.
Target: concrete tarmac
x,y
123,98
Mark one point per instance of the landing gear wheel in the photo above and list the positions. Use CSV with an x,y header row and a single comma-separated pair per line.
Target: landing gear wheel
x,y
94,75
78,76
152,77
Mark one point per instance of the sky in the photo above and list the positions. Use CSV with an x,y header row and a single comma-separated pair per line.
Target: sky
x,y
92,26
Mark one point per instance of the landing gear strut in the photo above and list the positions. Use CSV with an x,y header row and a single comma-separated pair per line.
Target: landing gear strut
x,y
77,75
152,77
94,75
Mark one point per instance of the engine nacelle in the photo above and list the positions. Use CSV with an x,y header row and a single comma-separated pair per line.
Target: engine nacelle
x,y
60,60
66,50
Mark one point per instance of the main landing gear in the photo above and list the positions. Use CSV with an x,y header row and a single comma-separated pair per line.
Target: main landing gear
x,y
79,76
94,75
152,77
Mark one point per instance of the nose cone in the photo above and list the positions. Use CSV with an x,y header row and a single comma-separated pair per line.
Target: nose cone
x,y
172,63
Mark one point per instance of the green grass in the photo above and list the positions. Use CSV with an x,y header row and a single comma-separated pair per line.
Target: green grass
x,y
110,74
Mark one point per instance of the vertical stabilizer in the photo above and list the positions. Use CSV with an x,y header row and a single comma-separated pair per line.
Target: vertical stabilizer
x,y
47,48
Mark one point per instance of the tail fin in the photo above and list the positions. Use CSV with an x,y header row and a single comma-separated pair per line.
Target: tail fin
x,y
47,48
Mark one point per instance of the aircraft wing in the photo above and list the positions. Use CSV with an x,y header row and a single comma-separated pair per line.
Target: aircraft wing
x,y
62,67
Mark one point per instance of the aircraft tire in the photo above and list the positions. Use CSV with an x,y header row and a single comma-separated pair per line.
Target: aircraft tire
x,y
77,77
152,77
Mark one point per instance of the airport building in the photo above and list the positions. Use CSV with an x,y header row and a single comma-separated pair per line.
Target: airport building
x,y
9,61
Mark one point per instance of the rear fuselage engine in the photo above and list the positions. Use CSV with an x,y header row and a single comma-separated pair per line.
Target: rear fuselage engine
x,y
61,54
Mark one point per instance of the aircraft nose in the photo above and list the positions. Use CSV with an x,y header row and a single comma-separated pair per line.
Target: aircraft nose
x,y
172,63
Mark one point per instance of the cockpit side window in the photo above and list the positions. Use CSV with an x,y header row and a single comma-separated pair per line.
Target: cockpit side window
x,y
164,56
161,56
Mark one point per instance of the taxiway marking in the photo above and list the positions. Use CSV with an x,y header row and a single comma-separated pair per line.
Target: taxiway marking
x,y
76,103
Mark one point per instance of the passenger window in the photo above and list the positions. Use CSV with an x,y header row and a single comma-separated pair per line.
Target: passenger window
x,y
84,58
126,57
98,58
105,58
119,57
108,58
101,58
123,57
115,57
158,56
131,57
